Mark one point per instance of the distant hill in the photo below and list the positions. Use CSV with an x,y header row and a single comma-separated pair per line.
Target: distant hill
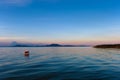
x,y
108,46
49,45
54,45
59,45
28,45
18,44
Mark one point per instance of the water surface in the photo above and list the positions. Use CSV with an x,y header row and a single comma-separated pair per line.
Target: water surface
x,y
59,63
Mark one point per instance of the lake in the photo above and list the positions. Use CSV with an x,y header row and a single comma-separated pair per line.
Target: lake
x,y
59,63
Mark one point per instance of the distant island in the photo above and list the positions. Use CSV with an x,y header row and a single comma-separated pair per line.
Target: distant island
x,y
17,44
49,45
108,46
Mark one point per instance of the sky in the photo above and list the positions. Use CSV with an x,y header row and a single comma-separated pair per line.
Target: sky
x,y
60,21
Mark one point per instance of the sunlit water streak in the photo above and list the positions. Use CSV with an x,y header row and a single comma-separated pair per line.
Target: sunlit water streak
x,y
59,63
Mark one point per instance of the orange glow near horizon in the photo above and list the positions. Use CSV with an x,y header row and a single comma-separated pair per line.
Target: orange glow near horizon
x,y
74,42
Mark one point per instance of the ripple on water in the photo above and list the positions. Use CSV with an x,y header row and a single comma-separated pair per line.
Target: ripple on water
x,y
59,64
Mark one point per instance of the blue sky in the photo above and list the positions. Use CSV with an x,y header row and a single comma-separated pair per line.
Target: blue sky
x,y
60,21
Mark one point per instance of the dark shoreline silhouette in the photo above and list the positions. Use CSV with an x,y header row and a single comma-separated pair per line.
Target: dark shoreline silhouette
x,y
107,46
48,45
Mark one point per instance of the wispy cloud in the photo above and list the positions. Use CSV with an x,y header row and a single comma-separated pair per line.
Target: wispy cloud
x,y
15,2
24,2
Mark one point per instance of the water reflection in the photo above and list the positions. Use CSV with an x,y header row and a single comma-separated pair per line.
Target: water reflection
x,y
27,57
59,64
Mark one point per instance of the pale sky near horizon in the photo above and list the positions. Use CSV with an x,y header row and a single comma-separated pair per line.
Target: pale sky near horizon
x,y
60,21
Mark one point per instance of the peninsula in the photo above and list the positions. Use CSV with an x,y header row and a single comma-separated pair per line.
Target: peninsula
x,y
107,46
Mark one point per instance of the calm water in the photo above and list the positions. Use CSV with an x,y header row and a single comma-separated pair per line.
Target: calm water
x,y
60,64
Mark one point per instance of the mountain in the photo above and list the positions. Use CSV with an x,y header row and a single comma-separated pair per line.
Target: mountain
x,y
50,45
18,44
54,45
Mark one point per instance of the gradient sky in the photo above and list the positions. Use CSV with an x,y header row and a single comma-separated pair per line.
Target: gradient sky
x,y
60,21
